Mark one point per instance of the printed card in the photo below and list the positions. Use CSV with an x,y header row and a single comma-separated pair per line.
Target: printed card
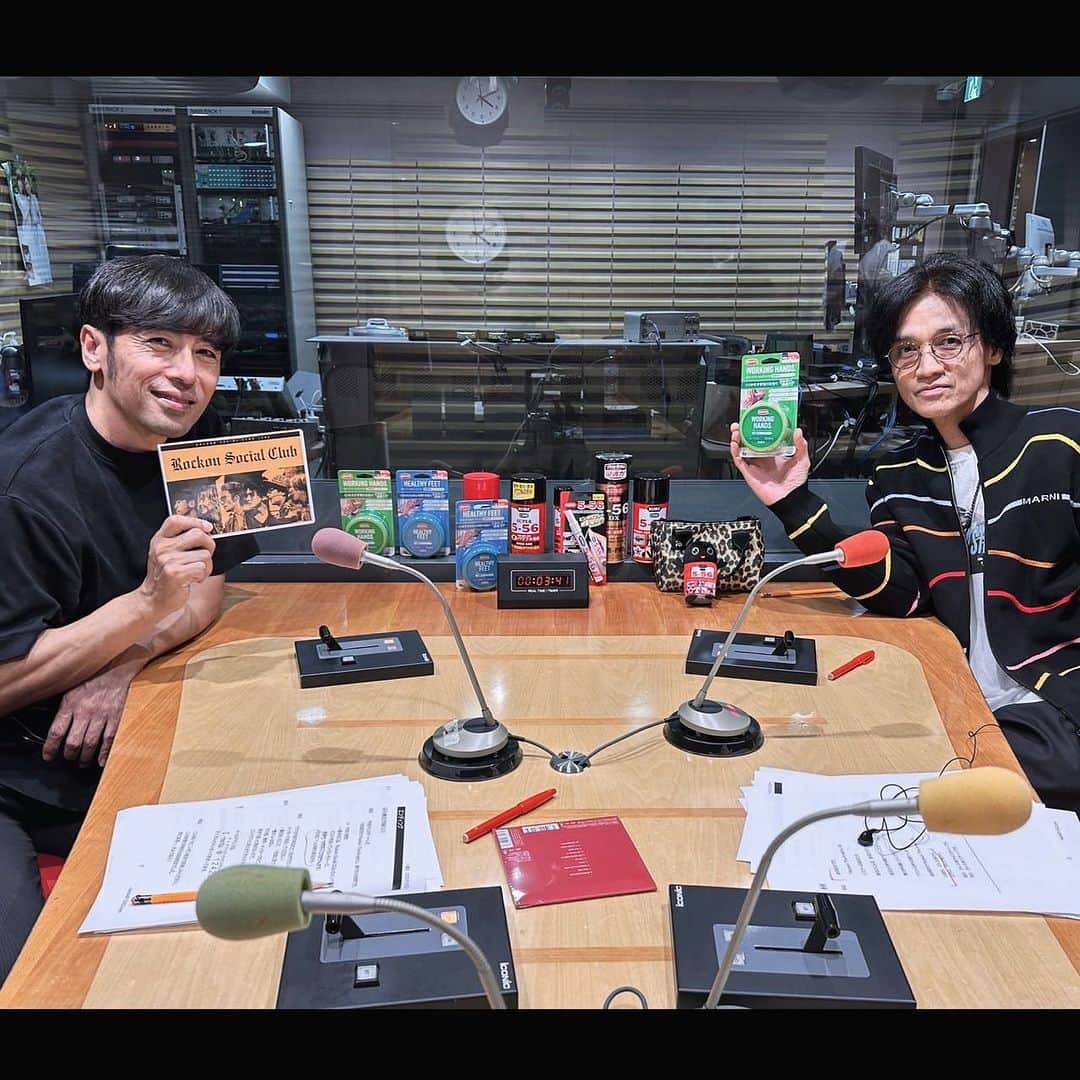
x,y
243,483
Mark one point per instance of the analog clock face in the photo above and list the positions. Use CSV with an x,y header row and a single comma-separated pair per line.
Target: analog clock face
x,y
476,235
481,99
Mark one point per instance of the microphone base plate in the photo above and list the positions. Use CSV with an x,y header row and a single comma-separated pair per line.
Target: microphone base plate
x,y
702,916
502,756
715,729
411,970
764,657
394,654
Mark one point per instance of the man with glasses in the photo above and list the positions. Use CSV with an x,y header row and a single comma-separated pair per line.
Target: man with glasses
x,y
980,511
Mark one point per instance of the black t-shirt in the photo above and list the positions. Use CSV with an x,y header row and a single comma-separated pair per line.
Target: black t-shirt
x,y
76,518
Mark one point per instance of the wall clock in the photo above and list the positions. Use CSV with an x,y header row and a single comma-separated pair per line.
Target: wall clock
x,y
480,109
476,235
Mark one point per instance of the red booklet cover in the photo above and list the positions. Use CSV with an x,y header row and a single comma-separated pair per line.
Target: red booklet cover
x,y
571,860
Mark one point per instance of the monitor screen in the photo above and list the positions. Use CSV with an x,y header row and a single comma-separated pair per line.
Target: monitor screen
x,y
1039,234
803,344
51,347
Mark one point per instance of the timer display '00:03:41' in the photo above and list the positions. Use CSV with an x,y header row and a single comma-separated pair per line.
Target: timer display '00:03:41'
x,y
530,579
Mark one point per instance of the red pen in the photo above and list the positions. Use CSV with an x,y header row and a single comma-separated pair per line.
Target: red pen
x,y
531,803
858,661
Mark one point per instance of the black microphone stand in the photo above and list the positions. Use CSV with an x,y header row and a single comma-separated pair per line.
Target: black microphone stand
x,y
717,728
479,748
891,807
336,903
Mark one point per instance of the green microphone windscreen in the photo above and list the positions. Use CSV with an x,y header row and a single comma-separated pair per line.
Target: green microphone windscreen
x,y
242,902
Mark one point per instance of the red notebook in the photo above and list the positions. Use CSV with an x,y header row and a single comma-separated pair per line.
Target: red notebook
x,y
571,860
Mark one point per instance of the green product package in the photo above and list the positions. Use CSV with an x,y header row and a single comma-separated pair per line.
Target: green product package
x,y
768,404
367,507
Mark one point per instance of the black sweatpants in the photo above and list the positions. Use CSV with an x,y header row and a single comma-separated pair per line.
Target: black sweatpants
x,y
1046,742
27,828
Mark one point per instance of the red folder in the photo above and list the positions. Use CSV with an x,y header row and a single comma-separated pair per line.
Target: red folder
x,y
571,860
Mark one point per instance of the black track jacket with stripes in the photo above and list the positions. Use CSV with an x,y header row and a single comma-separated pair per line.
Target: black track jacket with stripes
x,y
1029,470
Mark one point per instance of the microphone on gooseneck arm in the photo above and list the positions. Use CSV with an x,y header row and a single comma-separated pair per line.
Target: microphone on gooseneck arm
x,y
716,728
479,748
986,801
243,902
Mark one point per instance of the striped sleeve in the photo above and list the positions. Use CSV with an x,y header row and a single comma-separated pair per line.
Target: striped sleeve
x,y
891,587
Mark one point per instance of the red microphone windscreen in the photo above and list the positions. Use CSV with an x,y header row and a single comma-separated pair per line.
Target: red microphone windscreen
x,y
338,548
864,548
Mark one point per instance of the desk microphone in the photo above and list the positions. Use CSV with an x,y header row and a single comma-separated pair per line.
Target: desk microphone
x,y
715,728
479,748
986,801
244,902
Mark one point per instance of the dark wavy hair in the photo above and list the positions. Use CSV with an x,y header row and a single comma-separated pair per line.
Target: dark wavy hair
x,y
968,283
158,292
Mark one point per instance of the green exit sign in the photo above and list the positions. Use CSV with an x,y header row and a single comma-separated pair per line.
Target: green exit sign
x,y
972,88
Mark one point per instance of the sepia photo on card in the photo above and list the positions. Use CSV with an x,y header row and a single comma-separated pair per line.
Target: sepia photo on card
x,y
243,483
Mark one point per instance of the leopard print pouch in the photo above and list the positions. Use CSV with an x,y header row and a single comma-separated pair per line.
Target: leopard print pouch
x,y
739,546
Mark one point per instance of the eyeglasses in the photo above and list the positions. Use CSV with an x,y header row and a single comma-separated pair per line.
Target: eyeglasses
x,y
904,355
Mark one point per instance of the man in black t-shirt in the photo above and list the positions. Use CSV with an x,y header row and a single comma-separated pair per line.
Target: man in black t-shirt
x,y
99,577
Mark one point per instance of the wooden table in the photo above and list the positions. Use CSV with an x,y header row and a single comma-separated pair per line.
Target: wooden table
x,y
569,955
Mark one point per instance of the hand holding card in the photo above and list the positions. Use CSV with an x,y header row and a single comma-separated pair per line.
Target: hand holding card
x,y
246,483
181,555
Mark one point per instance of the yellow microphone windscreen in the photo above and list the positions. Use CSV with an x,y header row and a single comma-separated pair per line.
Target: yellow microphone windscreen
x,y
980,802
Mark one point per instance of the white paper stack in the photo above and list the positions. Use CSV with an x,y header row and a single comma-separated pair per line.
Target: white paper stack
x,y
369,836
1034,869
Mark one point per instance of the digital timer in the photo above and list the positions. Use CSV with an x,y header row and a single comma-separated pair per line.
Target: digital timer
x,y
558,581
543,581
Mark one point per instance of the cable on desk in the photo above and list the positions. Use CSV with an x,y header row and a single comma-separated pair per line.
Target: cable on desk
x,y
805,387
658,341
848,423
533,742
855,426
1072,369
625,990
890,423
583,761
966,763
545,376
866,837
644,727
919,227
438,463
860,423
